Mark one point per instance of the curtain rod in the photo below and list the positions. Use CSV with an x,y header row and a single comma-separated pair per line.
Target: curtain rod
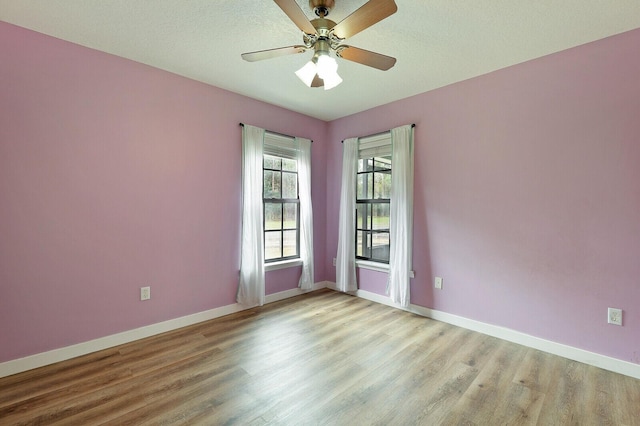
x,y
279,134
379,133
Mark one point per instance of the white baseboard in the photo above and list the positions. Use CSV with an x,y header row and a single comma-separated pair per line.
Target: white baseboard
x,y
50,357
570,352
270,298
9,368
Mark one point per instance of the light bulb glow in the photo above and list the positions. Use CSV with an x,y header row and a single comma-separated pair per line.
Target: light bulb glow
x,y
327,66
307,73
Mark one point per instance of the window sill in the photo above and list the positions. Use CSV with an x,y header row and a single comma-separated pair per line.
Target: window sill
x,y
273,266
380,267
374,266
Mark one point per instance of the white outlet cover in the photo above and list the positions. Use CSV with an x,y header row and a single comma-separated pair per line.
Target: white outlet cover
x,y
614,316
145,293
438,283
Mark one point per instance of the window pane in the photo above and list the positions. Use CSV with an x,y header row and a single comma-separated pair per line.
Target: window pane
x,y
382,185
365,164
368,164
290,247
382,163
272,184
362,218
360,188
289,165
381,215
364,190
272,242
271,162
290,215
289,185
272,216
363,244
380,249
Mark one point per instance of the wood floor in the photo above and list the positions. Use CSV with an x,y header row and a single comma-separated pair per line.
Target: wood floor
x,y
322,358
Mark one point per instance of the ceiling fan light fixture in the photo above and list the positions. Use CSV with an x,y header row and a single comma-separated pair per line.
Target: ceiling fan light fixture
x,y
307,73
324,36
327,66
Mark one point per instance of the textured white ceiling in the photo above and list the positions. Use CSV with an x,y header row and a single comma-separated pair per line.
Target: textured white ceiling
x,y
436,42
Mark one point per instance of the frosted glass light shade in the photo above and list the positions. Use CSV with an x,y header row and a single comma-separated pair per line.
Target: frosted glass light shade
x,y
332,81
327,66
307,73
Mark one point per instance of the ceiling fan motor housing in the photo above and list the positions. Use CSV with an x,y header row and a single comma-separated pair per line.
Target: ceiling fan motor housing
x,y
322,7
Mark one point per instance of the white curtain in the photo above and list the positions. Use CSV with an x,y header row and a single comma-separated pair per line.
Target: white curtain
x,y
251,288
401,218
306,214
346,259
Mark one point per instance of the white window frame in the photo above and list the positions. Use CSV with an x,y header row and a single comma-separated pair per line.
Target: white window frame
x,y
285,147
370,147
374,146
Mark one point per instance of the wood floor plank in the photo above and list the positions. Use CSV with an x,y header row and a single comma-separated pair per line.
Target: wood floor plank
x,y
481,399
321,358
430,401
537,370
442,379
430,373
55,378
564,400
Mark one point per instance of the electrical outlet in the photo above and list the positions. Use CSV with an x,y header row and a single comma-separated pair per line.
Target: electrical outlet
x,y
145,293
614,316
334,261
438,283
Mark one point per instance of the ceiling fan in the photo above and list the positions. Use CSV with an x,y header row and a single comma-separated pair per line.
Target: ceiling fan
x,y
325,36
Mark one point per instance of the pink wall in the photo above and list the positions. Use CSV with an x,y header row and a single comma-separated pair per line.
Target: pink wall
x,y
527,195
115,175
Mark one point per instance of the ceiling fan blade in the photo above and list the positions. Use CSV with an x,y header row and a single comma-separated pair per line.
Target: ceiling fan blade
x,y
293,11
317,82
365,57
272,53
368,14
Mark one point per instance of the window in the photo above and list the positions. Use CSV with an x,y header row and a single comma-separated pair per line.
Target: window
x,y
377,188
276,179
373,196
281,205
